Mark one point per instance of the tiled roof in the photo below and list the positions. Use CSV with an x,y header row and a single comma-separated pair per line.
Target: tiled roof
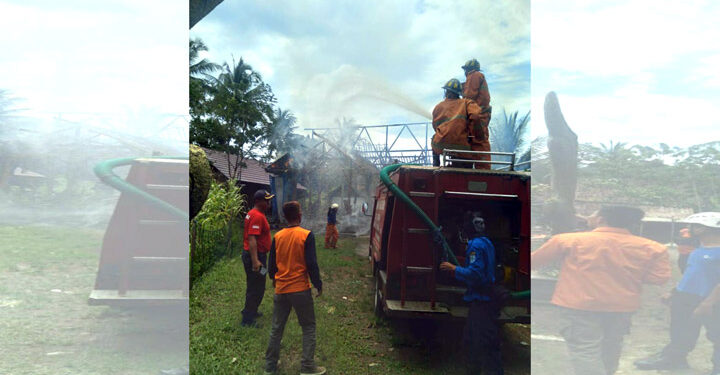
x,y
253,172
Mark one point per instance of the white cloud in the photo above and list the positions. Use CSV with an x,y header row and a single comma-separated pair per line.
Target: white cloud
x,y
81,56
638,71
325,60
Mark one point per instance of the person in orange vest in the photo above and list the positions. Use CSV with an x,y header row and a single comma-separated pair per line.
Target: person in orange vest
x,y
331,232
695,301
475,88
452,120
598,289
292,265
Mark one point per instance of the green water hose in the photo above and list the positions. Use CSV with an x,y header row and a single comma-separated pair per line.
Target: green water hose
x,y
434,229
525,294
385,178
104,171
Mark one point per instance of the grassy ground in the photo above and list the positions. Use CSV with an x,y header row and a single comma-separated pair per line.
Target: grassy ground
x,y
46,325
350,339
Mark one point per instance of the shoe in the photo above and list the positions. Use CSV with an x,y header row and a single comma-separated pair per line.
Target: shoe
x,y
661,362
251,324
319,370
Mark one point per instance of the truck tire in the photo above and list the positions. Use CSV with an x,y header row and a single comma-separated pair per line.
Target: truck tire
x,y
379,312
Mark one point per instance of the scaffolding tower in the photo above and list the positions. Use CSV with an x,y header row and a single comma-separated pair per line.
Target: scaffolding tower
x,y
382,145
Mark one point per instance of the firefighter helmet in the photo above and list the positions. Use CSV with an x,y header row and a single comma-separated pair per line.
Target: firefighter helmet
x,y
471,64
334,206
708,219
453,85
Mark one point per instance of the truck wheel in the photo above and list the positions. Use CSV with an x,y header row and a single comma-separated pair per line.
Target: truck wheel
x,y
378,299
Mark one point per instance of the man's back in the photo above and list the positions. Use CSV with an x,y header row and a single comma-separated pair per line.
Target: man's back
x,y
476,89
451,123
295,259
603,270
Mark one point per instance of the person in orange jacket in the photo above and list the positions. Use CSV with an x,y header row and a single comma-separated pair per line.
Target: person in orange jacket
x,y
475,88
331,233
598,290
452,120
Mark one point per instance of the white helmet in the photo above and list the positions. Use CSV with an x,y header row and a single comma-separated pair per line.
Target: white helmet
x,y
708,219
334,205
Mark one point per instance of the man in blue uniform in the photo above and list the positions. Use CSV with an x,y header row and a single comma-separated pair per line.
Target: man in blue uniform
x,y
481,329
695,301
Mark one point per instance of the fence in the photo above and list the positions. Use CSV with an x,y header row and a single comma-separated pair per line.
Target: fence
x,y
207,246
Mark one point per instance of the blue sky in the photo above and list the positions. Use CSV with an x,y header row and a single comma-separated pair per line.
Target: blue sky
x,y
326,60
636,71
120,64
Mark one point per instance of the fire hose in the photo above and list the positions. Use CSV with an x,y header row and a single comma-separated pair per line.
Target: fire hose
x,y
434,229
104,171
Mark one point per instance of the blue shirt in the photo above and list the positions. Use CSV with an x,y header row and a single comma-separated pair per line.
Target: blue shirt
x,y
479,270
702,274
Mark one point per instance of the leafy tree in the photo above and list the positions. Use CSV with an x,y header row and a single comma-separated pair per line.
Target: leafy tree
x,y
237,116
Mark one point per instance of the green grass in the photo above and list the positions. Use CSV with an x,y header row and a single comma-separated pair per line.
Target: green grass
x,y
46,325
350,339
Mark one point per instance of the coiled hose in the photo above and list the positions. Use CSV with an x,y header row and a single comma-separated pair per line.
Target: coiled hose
x,y
104,171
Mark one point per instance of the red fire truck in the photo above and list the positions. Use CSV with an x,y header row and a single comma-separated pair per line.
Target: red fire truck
x,y
405,258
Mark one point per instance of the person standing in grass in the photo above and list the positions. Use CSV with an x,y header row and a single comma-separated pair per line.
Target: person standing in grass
x,y
331,232
292,265
256,244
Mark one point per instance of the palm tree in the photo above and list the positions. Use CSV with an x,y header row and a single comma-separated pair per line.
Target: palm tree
x,y
283,138
199,77
241,109
203,66
510,134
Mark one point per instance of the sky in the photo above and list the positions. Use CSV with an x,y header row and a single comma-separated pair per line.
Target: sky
x,y
637,71
375,62
119,64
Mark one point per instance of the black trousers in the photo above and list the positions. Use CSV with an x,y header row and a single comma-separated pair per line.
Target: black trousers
x,y
255,287
436,160
482,339
685,329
